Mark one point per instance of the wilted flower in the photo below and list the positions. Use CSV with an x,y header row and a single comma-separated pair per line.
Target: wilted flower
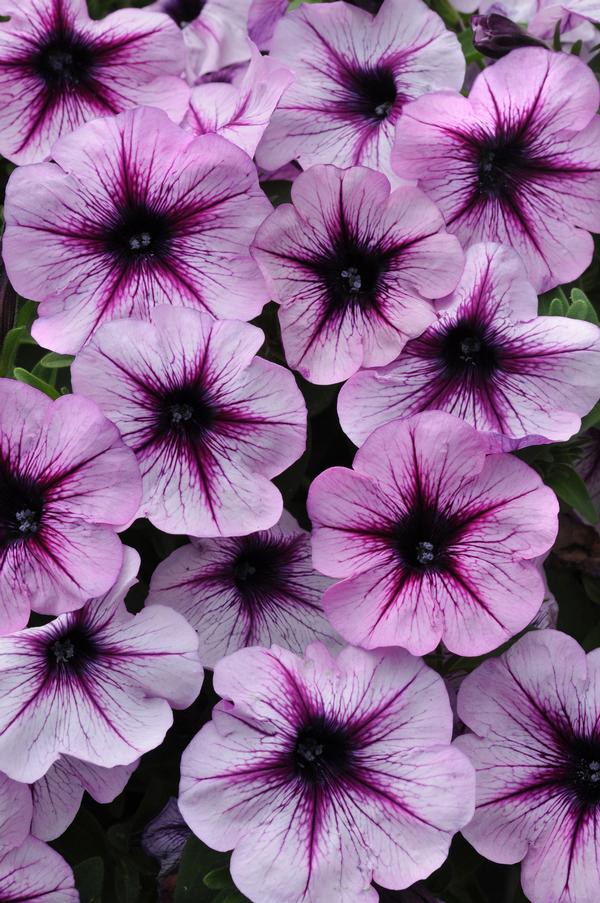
x,y
97,684
67,484
323,774
496,35
433,538
239,111
354,268
518,162
249,591
134,212
535,713
165,837
210,423
354,74
488,359
59,69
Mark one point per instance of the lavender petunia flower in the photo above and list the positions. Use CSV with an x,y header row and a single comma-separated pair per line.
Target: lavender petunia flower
x,y
355,269
67,484
59,69
323,774
535,712
165,837
210,423
263,18
240,111
488,359
29,870
96,685
434,539
518,162
57,795
354,74
249,591
134,212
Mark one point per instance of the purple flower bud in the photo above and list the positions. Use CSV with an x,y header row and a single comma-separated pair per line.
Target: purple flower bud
x,y
496,35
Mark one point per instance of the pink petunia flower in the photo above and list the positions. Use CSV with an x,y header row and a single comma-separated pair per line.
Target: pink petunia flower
x,y
263,18
534,713
97,685
29,870
248,591
354,74
134,212
57,795
59,69
354,268
518,162
210,423
323,774
488,359
433,538
67,484
239,111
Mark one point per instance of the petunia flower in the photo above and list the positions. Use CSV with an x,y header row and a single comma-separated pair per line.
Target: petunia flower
x,y
433,539
534,713
97,685
210,423
29,870
165,837
59,69
323,774
573,17
354,268
57,795
248,591
488,359
354,74
134,212
67,484
239,111
263,18
588,463
518,162
215,32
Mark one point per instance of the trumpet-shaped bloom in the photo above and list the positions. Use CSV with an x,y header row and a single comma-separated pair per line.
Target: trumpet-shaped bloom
x,y
59,69
248,591
57,795
67,484
434,539
210,423
534,713
490,360
354,74
354,268
323,774
240,111
98,684
134,212
29,870
518,162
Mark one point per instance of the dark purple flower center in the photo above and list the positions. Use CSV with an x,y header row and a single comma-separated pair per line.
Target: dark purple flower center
x,y
584,771
64,60
183,11
71,651
500,164
259,570
467,350
351,275
21,509
372,92
186,412
322,752
139,234
423,538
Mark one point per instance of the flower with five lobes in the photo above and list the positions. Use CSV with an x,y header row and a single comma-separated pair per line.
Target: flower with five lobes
x,y
434,539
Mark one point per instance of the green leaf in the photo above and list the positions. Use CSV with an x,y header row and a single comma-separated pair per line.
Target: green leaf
x,y
219,879
591,419
53,361
89,878
127,881
556,44
24,376
580,302
558,307
576,48
10,347
196,862
569,487
591,586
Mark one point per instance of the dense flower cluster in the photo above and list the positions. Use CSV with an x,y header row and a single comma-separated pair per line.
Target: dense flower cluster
x,y
367,474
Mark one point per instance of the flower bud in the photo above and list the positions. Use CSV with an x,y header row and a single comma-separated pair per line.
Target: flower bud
x,y
495,36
